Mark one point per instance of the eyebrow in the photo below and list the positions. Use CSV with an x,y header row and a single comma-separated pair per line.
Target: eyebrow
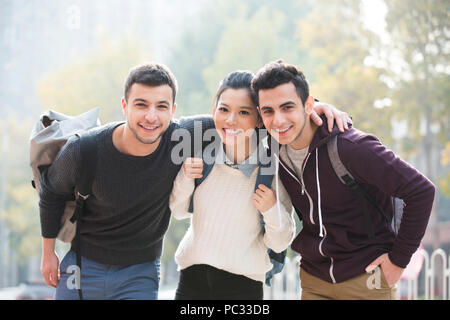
x,y
140,100
281,105
287,103
242,107
143,100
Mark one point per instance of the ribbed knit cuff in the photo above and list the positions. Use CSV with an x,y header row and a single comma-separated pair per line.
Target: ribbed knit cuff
x,y
272,218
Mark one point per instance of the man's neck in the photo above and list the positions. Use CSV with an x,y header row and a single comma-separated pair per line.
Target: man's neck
x,y
125,141
306,136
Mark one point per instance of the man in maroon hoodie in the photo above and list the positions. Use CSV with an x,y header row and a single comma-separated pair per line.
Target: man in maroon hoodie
x,y
339,260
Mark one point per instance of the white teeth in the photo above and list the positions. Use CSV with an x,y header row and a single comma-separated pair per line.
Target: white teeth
x,y
281,130
149,127
229,131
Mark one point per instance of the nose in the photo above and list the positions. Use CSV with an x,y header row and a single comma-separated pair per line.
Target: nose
x,y
150,115
277,119
231,119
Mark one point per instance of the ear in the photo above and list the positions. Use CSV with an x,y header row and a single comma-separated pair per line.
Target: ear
x,y
174,108
124,107
260,123
309,105
214,112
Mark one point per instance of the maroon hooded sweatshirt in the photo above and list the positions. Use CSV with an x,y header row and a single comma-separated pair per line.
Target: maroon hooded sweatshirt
x,y
334,244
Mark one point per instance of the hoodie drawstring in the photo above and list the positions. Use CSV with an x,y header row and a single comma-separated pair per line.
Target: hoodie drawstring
x,y
277,193
319,204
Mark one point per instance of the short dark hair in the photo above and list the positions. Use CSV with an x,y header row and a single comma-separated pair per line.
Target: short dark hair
x,y
153,75
240,79
277,73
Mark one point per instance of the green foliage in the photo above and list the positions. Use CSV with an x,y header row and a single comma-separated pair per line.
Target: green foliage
x,y
334,35
419,30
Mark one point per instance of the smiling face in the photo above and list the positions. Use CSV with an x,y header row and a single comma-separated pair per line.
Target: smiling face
x,y
148,111
284,115
236,118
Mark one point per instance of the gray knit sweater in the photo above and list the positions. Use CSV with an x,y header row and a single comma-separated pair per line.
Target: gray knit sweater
x,y
127,214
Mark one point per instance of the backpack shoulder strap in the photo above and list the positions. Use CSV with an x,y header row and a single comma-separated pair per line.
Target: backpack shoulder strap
x,y
207,167
347,179
276,258
88,152
265,179
269,172
336,163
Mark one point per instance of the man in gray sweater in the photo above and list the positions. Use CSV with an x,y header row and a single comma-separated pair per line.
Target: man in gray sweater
x,y
127,214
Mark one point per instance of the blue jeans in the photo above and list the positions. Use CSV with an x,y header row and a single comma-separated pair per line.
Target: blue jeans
x,y
108,282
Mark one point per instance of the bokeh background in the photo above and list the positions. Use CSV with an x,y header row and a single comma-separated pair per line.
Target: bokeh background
x,y
386,63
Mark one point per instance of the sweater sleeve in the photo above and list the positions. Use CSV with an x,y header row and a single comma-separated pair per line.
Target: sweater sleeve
x,y
279,226
183,188
57,186
372,163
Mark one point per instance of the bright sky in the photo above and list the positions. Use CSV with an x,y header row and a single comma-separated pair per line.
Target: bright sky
x,y
374,12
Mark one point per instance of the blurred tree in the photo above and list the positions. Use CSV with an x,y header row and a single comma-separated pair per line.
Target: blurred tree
x,y
335,37
191,53
444,182
248,42
201,48
419,32
96,80
19,215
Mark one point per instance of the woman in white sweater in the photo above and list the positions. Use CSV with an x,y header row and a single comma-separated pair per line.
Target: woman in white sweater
x,y
223,255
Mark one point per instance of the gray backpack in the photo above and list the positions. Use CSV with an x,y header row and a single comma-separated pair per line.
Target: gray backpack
x,y
48,136
365,198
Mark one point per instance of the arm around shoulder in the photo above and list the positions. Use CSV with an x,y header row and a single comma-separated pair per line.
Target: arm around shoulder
x,y
183,188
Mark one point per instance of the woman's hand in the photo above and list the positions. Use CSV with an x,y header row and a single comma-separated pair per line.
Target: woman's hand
x,y
193,168
264,198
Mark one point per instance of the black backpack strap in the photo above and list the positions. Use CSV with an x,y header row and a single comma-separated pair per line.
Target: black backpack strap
x,y
88,152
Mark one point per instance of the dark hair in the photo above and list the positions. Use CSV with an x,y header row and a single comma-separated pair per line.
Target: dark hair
x,y
153,75
240,79
277,73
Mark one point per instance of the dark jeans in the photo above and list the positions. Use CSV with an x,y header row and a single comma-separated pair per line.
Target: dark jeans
x,y
105,282
204,282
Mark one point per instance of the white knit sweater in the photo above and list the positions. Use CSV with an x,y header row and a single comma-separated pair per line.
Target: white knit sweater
x,y
225,230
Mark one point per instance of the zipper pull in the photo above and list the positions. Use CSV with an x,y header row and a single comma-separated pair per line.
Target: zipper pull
x,y
303,190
